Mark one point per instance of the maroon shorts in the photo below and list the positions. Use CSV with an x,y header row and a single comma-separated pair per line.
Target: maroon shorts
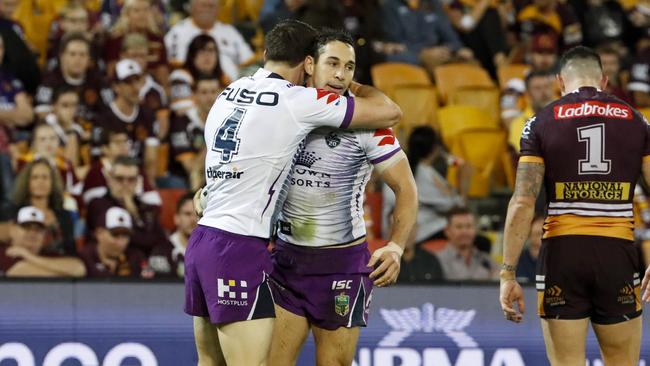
x,y
594,277
226,276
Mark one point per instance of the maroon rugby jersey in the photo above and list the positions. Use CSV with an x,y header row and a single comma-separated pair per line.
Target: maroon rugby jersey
x,y
592,145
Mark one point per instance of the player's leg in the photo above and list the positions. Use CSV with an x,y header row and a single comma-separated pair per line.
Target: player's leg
x,y
620,344
246,343
335,347
207,343
565,341
289,334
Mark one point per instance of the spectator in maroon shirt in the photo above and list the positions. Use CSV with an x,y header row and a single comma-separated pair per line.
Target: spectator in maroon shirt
x,y
611,60
111,255
167,258
122,183
23,256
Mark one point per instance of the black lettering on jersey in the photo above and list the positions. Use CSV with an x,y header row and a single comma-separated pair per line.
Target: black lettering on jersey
x,y
246,96
231,95
263,99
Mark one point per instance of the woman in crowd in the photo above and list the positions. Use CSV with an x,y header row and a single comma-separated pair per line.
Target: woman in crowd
x,y
203,59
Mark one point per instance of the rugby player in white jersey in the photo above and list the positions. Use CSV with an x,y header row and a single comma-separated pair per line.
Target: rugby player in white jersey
x,y
322,277
251,134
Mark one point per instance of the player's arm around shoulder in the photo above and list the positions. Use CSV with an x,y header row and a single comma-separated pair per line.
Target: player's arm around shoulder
x,y
372,108
397,174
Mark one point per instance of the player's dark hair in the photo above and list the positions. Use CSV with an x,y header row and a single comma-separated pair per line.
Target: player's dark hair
x,y
126,161
579,53
327,35
290,41
189,196
107,134
63,89
457,211
536,74
421,143
73,37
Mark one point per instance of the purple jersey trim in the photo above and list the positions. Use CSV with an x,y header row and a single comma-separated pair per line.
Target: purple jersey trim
x,y
348,113
385,157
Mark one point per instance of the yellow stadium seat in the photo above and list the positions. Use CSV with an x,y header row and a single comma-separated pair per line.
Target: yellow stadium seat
x,y
512,71
645,112
484,151
163,159
387,76
486,98
419,105
450,77
454,119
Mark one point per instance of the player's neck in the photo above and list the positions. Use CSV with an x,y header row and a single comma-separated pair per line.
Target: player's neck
x,y
570,87
283,69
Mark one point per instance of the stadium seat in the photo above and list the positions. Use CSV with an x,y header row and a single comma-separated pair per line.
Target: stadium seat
x,y
645,112
483,149
454,119
163,159
450,77
419,107
512,71
374,201
486,98
169,198
387,76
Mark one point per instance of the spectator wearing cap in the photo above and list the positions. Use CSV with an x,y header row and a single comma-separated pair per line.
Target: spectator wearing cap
x,y
422,33
181,95
126,114
138,17
639,84
186,140
233,49
111,255
167,258
543,52
39,184
23,255
112,144
539,88
135,46
550,16
122,182
75,70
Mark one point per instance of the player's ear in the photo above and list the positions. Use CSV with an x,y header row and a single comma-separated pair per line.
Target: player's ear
x,y
603,82
560,81
309,65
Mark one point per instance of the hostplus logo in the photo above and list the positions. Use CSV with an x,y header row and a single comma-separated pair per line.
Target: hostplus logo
x,y
229,293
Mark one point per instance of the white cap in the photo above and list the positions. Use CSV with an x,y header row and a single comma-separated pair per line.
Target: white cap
x,y
29,214
117,218
181,76
127,68
517,85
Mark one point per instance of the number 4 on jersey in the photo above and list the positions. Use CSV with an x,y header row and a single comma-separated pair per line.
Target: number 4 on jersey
x,y
225,140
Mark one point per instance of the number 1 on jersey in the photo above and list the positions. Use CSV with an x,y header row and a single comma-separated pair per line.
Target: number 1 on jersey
x,y
595,163
225,140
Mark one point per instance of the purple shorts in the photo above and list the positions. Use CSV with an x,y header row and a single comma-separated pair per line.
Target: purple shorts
x,y
226,276
330,287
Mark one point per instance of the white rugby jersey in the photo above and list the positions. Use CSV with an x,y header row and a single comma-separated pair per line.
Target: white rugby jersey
x,y
252,133
233,49
324,203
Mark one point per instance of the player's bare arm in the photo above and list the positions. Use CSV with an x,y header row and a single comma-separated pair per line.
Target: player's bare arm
x,y
400,179
521,210
645,169
372,108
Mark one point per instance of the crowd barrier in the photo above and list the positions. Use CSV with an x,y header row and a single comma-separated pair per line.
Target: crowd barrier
x,y
61,323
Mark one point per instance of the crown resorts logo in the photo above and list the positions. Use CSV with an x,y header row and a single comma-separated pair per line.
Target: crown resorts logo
x,y
307,159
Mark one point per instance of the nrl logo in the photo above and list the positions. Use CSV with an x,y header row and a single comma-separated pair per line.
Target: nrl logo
x,y
342,304
332,140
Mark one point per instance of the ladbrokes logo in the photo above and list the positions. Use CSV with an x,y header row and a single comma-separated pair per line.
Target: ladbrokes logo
x,y
610,191
589,109
553,296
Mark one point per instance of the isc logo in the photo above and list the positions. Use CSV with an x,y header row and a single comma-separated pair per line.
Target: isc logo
x,y
342,285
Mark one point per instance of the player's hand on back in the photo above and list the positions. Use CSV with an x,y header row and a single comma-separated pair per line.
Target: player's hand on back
x,y
511,293
199,202
388,260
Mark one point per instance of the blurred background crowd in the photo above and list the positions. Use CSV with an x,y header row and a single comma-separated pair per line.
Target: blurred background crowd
x,y
103,105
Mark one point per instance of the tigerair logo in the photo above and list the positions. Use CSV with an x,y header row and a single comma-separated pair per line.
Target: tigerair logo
x,y
609,191
590,109
626,295
553,296
215,173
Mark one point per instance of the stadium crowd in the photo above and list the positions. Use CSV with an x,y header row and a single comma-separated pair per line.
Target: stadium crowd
x,y
103,105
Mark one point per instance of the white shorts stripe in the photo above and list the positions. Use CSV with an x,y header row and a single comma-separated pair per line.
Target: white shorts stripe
x,y
637,282
598,206
540,278
591,213
540,286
